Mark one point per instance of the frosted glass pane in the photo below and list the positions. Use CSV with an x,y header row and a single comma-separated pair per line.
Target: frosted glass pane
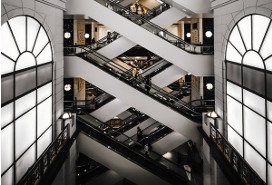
x,y
7,179
236,40
6,88
18,27
254,102
269,110
44,115
8,45
25,81
266,49
6,147
44,74
245,28
235,140
25,162
234,91
6,114
44,141
25,103
269,139
9,65
234,109
234,73
269,175
32,31
260,24
268,64
255,161
25,60
45,56
252,58
233,55
254,130
42,40
25,129
44,92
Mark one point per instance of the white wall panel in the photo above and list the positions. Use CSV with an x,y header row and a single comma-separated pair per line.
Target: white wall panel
x,y
7,178
44,115
25,103
235,140
44,141
234,109
7,147
6,114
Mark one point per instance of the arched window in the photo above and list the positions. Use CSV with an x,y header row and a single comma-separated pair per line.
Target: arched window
x,y
26,95
249,91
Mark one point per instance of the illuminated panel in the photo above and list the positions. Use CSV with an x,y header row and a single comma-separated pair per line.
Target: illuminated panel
x,y
245,28
7,178
235,114
44,141
9,65
44,92
6,147
25,60
266,47
269,139
25,129
260,24
235,140
25,103
45,56
236,40
233,55
254,102
18,27
44,115
6,114
235,91
32,31
42,40
252,58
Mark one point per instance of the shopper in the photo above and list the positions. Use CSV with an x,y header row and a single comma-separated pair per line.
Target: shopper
x,y
139,134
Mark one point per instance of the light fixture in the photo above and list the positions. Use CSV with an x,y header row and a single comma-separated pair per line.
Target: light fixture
x,y
188,35
67,87
67,35
212,114
87,35
66,115
209,86
208,34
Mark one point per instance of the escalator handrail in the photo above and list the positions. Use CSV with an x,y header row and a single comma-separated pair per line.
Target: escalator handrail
x,y
158,27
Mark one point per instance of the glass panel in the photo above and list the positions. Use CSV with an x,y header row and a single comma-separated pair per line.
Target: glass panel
x,y
42,40
45,56
7,179
25,60
25,162
235,140
25,81
254,80
268,64
234,73
252,58
254,102
233,55
32,31
18,27
44,92
269,85
9,65
245,28
269,139
234,109
6,88
6,114
266,49
25,130
254,130
269,110
259,27
255,161
6,147
44,141
25,103
44,115
8,45
236,40
269,174
234,91
44,74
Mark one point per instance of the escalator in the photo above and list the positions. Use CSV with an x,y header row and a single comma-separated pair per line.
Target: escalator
x,y
188,57
136,167
114,79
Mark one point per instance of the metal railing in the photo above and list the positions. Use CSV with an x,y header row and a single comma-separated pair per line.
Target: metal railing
x,y
155,29
177,175
121,73
41,166
246,173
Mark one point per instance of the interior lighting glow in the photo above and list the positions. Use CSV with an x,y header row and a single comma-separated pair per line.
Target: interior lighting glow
x,y
67,35
67,87
209,86
188,35
212,114
87,35
208,34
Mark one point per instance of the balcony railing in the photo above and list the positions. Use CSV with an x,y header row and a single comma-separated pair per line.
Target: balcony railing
x,y
246,173
41,166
